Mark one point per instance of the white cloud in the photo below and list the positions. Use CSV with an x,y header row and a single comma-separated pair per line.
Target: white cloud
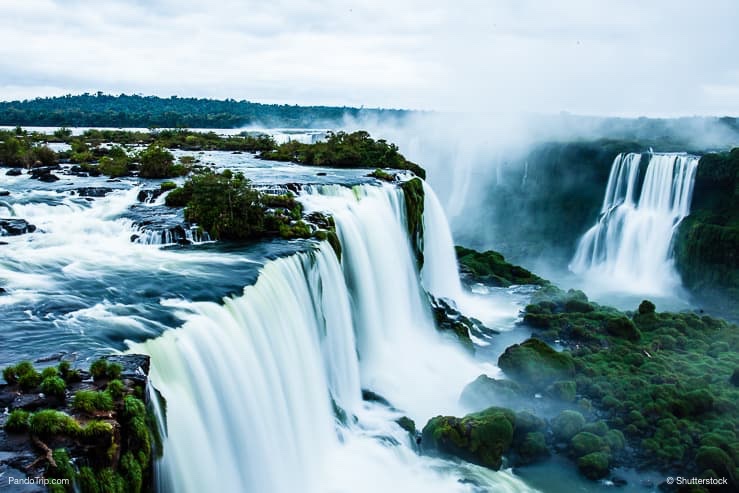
x,y
622,57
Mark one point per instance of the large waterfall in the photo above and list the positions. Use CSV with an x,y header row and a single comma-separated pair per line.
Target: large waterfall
x,y
630,246
254,386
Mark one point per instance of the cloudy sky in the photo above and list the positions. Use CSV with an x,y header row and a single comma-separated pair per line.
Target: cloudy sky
x,y
619,57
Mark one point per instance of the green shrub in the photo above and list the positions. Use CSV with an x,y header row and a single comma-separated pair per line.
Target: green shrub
x,y
29,380
593,466
53,386
567,424
157,162
99,369
49,372
10,375
585,443
166,186
131,472
89,401
114,371
18,421
51,422
116,389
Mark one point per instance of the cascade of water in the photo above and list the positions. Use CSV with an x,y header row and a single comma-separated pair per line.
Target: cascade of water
x,y
631,244
249,384
440,273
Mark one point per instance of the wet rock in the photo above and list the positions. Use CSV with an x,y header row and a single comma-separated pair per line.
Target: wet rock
x,y
4,193
15,227
481,438
14,172
94,191
44,173
135,366
149,194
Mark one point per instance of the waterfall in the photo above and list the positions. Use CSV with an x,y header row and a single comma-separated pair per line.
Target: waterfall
x,y
630,246
440,270
251,385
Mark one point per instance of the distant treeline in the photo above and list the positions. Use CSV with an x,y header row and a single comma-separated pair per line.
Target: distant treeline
x,y
102,110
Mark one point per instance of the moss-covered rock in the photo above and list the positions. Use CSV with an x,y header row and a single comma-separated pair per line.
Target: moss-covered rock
x,y
414,202
481,438
593,466
484,392
567,424
585,443
563,390
491,268
532,448
535,363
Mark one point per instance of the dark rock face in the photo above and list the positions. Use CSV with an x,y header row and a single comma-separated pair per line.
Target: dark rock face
x,y
15,227
14,172
44,173
4,193
149,195
93,191
448,319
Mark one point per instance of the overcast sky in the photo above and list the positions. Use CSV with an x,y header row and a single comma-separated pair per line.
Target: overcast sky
x,y
584,56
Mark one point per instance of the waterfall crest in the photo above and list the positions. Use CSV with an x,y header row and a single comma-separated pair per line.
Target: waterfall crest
x,y
630,246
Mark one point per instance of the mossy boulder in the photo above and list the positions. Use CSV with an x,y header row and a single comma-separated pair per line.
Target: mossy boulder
x,y
532,448
535,363
484,392
563,390
491,268
567,424
594,466
585,443
481,438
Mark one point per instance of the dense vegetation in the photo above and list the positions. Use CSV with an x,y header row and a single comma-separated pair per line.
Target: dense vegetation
x,y
100,436
707,244
345,150
667,381
102,110
639,389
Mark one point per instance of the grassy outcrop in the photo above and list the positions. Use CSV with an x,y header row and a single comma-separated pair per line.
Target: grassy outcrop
x,y
491,268
344,150
100,436
662,381
481,438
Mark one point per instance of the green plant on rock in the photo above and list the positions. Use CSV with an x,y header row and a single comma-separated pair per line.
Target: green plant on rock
x,y
481,438
567,424
414,195
54,386
52,422
99,369
89,401
157,162
18,421
594,466
533,362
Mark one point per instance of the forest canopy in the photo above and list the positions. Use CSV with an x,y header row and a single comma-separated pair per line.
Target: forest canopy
x,y
103,110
